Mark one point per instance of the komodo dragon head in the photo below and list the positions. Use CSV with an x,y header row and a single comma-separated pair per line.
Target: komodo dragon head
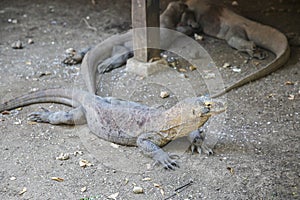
x,y
191,113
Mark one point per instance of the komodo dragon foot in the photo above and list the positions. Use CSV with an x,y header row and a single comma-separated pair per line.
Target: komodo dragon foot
x,y
196,139
75,57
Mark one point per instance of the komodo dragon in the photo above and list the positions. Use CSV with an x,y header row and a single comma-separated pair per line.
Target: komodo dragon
x,y
241,34
217,21
124,122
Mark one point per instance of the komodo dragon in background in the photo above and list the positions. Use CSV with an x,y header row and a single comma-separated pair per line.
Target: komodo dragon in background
x,y
124,122
114,52
241,34
217,21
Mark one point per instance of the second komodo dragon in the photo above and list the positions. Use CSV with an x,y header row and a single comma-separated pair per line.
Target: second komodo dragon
x,y
214,20
124,122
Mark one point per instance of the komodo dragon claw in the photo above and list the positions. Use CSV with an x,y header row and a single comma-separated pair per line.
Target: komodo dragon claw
x,y
165,159
196,139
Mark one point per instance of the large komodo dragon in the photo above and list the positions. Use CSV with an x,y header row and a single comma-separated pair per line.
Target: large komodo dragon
x,y
125,122
217,21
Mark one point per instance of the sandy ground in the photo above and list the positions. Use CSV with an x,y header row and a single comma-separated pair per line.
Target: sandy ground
x,y
256,143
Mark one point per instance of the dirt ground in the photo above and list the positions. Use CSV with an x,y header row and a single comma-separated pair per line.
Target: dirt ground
x,y
256,143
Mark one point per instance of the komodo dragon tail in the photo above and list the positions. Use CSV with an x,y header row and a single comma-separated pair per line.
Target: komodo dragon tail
x,y
61,96
268,38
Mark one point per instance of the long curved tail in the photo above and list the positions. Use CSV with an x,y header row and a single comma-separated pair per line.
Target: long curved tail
x,y
61,96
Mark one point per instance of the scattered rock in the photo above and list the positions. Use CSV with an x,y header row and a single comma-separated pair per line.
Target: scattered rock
x,y
30,41
198,37
291,97
192,68
235,3
77,153
84,163
182,70
164,94
13,21
183,75
13,178
137,190
235,69
17,45
226,65
113,196
83,189
115,146
63,156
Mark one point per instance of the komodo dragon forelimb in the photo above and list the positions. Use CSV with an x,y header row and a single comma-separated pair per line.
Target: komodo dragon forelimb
x,y
124,122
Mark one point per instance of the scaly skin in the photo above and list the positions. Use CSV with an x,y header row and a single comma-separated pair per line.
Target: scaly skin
x,y
242,34
124,122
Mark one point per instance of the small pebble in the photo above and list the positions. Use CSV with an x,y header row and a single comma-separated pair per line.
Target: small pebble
x,y
137,190
192,68
83,189
235,3
235,69
198,37
164,94
30,41
63,156
17,45
226,65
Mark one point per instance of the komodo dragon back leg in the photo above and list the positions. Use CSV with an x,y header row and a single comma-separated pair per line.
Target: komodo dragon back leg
x,y
72,117
237,38
149,143
120,55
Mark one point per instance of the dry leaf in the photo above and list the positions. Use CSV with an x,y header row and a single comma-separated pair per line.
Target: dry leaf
x,y
289,83
84,163
5,112
31,123
58,179
182,70
113,196
231,170
192,68
115,146
162,192
23,191
291,97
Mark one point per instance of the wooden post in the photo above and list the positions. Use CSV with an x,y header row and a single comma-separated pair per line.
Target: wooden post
x,y
145,13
